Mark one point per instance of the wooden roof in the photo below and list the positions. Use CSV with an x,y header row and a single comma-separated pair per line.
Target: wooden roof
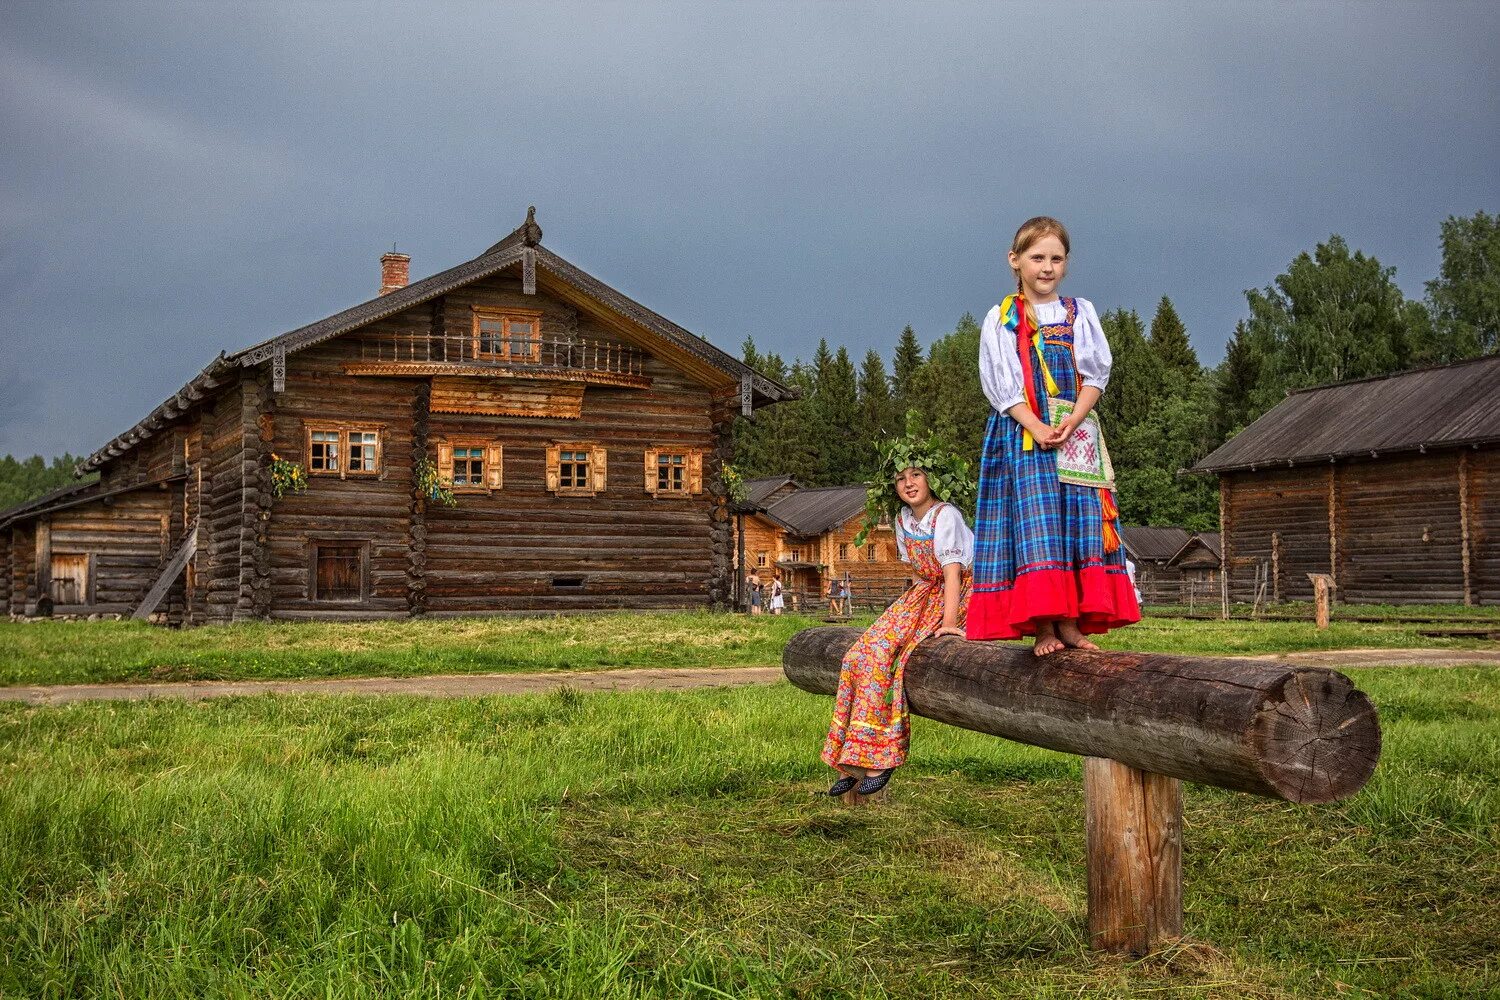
x,y
1153,544
554,274
757,490
1448,406
812,512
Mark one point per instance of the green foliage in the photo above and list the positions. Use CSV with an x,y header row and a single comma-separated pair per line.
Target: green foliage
x,y
904,367
949,399
835,408
1169,341
435,487
734,484
24,479
949,475
1465,296
286,477
877,410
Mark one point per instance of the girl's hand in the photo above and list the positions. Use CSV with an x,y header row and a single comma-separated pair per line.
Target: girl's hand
x,y
951,630
1065,430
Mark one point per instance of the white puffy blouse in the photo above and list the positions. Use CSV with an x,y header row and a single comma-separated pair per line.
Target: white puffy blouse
x,y
952,541
1000,365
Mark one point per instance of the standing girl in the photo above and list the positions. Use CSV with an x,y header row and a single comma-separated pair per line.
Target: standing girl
x,y
870,732
778,601
1048,557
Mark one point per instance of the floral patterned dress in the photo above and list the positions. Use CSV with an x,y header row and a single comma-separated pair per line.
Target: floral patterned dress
x,y
871,727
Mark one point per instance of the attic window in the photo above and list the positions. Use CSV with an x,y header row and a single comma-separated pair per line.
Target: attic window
x,y
507,334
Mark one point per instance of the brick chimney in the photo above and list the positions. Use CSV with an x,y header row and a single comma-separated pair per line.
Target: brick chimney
x,y
395,271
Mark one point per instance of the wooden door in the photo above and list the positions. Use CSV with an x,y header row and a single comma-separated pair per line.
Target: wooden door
x,y
70,578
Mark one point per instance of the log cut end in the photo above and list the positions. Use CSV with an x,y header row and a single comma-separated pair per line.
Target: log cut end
x,y
1320,741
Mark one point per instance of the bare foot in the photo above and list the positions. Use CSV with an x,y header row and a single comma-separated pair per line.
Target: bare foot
x,y
1071,636
1046,641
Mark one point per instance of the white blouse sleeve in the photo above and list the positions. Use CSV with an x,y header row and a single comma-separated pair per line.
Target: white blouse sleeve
x,y
952,541
999,366
901,537
1090,348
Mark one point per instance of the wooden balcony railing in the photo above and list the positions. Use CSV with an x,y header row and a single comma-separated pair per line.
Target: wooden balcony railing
x,y
547,353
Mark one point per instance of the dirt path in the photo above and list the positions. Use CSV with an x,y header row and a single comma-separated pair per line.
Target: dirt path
x,y
440,686
625,679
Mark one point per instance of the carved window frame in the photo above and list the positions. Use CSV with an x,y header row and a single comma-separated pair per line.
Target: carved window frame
x,y
505,317
692,470
343,429
598,469
492,472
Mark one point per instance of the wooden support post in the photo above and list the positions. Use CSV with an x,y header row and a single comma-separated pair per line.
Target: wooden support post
x,y
1276,567
1333,526
1133,822
1323,596
1463,524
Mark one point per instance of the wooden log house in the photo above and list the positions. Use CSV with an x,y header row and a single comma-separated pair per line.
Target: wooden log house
x,y
808,534
1388,485
582,433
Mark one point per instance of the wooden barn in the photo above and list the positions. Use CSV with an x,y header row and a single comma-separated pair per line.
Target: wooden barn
x,y
808,534
1173,565
582,435
1389,485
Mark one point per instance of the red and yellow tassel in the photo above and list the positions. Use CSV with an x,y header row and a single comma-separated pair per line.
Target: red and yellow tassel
x,y
1110,514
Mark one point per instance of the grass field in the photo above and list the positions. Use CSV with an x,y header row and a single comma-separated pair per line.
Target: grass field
x,y
93,652
673,845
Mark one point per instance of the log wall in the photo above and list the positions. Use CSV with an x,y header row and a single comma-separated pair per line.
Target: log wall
x,y
217,562
128,539
519,547
1402,530
5,570
1482,511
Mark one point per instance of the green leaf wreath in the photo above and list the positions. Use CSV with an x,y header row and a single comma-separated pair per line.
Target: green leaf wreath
x,y
949,475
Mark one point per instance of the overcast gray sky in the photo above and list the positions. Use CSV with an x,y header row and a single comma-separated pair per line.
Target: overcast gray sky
x,y
180,179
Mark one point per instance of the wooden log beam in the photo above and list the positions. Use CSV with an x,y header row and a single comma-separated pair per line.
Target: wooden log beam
x,y
1295,733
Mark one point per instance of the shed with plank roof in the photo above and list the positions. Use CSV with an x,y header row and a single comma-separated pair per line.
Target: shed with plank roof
x,y
1390,485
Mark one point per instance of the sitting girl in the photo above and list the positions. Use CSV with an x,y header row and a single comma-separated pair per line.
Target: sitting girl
x,y
870,733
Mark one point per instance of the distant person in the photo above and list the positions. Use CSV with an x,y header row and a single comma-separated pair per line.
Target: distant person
x,y
870,732
778,596
835,597
753,583
1049,559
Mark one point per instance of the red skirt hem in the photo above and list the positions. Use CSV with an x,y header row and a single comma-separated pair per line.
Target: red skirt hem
x,y
1100,599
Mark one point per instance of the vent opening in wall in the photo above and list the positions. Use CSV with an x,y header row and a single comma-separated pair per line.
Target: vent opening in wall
x,y
567,583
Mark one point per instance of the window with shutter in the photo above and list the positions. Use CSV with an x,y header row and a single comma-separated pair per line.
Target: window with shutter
x,y
576,469
650,468
674,470
472,466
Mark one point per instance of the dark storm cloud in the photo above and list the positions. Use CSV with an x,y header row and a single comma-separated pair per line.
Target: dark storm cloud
x,y
184,179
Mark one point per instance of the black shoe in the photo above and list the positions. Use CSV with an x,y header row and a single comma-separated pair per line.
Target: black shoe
x,y
842,786
875,782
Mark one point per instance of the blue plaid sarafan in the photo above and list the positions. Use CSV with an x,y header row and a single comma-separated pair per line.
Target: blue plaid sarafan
x,y
1026,520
